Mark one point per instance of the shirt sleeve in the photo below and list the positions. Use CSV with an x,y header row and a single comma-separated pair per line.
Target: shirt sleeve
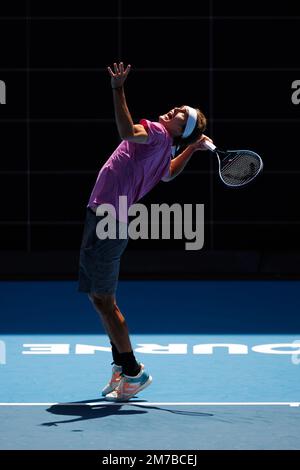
x,y
156,132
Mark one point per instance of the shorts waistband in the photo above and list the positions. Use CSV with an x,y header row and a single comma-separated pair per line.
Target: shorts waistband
x,y
92,209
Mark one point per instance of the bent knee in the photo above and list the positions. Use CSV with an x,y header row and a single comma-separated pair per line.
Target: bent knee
x,y
103,302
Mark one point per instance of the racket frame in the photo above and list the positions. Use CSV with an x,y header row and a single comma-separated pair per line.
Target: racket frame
x,y
215,150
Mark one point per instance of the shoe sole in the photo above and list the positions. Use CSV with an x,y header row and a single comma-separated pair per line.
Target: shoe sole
x,y
146,384
106,393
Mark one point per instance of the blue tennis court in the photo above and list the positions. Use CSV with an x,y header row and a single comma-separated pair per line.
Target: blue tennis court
x,y
224,356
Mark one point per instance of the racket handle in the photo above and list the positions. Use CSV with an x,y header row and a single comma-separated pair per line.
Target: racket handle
x,y
209,145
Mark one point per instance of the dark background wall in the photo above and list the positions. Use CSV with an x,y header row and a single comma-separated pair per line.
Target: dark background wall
x,y
236,61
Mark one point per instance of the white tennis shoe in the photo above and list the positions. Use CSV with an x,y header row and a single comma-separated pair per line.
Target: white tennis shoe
x,y
114,381
128,386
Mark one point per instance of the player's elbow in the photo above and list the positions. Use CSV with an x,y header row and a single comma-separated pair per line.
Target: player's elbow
x,y
168,177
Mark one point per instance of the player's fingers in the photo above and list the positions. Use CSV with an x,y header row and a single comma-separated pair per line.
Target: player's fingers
x,y
110,72
121,68
127,70
205,137
116,68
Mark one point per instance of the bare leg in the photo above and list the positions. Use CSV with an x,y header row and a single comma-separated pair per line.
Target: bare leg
x,y
113,321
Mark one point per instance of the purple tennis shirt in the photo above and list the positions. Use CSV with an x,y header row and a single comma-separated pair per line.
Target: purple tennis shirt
x,y
133,169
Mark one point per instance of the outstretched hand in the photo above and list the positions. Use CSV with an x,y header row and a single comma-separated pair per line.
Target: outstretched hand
x,y
119,75
200,143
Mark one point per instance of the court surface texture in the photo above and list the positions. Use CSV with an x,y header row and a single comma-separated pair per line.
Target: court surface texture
x,y
224,356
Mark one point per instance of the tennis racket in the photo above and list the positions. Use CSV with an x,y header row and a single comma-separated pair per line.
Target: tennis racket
x,y
236,167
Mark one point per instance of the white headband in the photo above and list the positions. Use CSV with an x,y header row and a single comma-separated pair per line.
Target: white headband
x,y
191,122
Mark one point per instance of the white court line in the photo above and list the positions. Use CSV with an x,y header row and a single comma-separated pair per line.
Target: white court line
x,y
106,403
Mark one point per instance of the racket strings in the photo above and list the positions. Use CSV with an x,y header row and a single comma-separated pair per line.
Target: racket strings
x,y
240,168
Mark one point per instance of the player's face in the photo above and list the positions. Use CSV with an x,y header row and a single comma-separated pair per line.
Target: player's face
x,y
175,120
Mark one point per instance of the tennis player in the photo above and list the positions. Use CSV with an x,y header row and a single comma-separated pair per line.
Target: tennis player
x,y
143,158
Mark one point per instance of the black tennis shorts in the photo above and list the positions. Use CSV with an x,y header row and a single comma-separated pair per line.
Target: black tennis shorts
x,y
99,262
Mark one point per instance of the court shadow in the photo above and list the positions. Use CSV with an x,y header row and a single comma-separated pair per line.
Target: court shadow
x,y
95,409
87,409
177,412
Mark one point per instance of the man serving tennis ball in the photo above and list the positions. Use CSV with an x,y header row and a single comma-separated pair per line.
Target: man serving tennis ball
x,y
142,159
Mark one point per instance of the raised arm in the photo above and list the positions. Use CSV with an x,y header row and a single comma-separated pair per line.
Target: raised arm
x,y
127,130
